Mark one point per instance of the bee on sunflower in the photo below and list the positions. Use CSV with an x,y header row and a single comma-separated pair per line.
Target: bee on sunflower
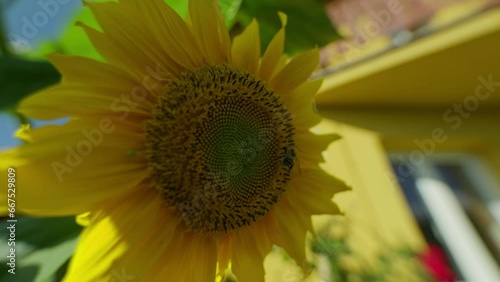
x,y
182,152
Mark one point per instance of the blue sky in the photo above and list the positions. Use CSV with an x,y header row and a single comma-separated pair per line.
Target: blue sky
x,y
37,20
32,22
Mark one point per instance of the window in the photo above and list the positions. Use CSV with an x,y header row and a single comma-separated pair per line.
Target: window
x,y
456,203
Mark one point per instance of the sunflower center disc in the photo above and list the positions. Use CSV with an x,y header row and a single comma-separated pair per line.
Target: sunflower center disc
x,y
221,148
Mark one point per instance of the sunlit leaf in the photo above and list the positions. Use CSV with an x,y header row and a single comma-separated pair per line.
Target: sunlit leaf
x,y
180,6
229,8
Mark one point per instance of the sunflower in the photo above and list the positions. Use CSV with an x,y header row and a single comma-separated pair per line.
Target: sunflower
x,y
186,153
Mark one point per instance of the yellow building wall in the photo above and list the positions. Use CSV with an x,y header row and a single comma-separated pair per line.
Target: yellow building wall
x,y
376,204
407,129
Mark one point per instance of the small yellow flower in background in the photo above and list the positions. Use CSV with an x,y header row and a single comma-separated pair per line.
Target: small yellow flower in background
x,y
186,153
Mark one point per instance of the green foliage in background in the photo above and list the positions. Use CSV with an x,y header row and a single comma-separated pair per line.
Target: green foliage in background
x,y
308,24
43,248
391,263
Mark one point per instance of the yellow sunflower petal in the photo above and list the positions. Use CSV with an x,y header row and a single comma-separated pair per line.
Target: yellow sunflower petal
x,y
292,225
303,96
274,52
246,48
189,257
126,29
115,54
71,171
209,30
305,117
82,71
124,240
296,72
300,103
91,87
224,248
313,192
250,246
225,40
84,219
75,100
171,31
23,133
310,147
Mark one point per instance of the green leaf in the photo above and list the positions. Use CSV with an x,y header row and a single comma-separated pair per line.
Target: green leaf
x,y
229,9
19,78
180,6
43,248
308,24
